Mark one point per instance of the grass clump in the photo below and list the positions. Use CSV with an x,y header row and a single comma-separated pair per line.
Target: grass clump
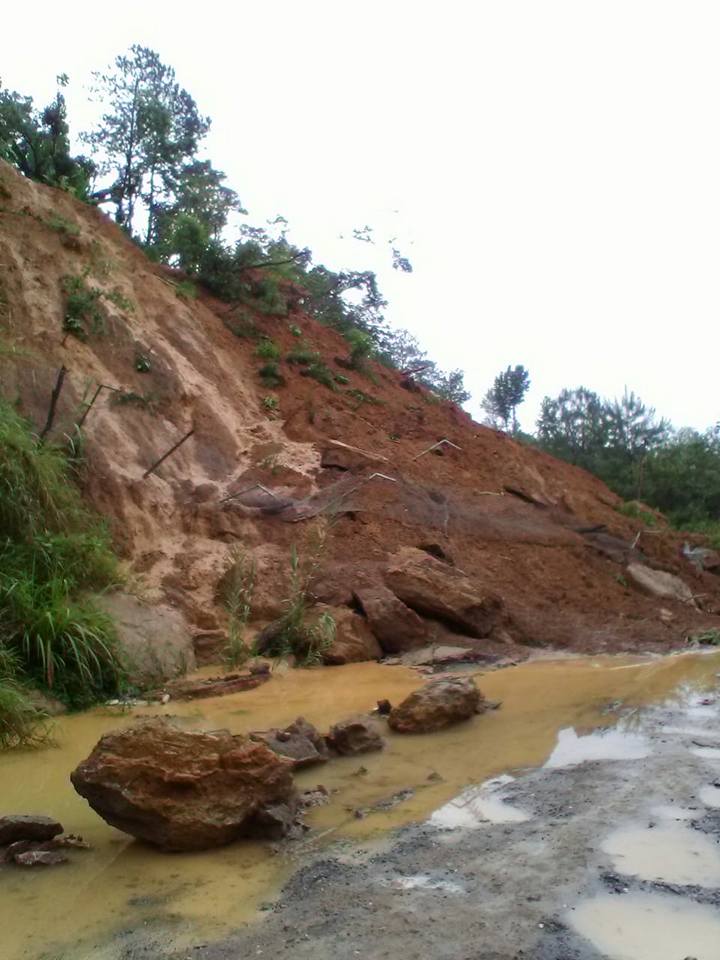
x,y
53,552
62,226
83,315
322,373
270,375
303,355
22,724
635,510
296,635
186,290
267,349
239,586
271,403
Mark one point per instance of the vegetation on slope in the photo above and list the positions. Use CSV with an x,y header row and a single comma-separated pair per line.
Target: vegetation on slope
x,y
52,553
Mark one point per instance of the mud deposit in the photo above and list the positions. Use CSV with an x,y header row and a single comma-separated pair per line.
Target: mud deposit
x,y
558,860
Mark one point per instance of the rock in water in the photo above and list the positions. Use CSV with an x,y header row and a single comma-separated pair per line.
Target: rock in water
x,y
356,735
184,790
300,743
436,705
13,828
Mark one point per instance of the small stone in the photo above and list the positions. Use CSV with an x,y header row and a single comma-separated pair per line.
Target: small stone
x,y
40,858
23,827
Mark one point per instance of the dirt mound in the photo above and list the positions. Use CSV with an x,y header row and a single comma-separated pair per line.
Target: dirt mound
x,y
263,467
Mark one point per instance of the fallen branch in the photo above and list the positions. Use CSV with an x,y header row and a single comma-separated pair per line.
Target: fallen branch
x,y
164,457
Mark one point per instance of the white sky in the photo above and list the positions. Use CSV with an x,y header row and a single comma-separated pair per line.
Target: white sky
x,y
551,168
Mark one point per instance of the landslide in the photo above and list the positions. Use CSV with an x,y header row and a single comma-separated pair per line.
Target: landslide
x,y
544,539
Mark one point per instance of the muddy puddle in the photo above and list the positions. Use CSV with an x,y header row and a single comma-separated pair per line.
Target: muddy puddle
x,y
568,710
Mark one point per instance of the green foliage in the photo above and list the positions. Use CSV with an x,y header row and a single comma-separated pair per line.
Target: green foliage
x,y
119,299
52,551
186,290
505,396
295,330
83,315
22,724
38,142
62,226
267,349
706,638
150,131
341,379
296,635
360,397
270,375
239,585
271,403
633,509
362,347
303,355
322,373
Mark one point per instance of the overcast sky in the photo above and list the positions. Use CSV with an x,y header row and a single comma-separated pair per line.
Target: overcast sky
x,y
552,169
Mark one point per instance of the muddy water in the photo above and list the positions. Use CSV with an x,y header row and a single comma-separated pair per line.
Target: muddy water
x,y
122,885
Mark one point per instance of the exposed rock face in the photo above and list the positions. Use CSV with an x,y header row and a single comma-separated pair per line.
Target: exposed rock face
x,y
440,590
355,735
300,743
354,640
436,705
660,584
183,790
14,828
155,640
396,626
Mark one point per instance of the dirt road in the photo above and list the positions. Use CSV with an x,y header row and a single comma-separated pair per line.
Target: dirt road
x,y
612,849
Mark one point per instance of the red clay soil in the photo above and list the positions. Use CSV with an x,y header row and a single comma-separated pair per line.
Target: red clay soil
x,y
545,536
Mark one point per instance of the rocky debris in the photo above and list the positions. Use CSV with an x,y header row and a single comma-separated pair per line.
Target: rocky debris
x,y
439,590
28,827
18,849
384,707
354,640
36,858
300,743
315,798
436,705
396,626
355,735
186,790
197,688
387,803
154,640
435,654
658,583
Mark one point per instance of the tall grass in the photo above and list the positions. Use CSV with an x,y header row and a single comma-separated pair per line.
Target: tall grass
x,y
22,724
239,588
52,553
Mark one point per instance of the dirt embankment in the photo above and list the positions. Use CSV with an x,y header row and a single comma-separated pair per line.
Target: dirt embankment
x,y
543,538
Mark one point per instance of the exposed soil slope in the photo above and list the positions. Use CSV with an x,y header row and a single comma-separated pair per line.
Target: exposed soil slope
x,y
544,537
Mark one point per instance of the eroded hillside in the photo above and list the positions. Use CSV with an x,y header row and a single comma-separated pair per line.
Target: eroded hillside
x,y
529,550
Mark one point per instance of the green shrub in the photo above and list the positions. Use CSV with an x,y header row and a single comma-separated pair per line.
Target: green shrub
x,y
633,509
322,373
63,226
271,403
143,363
22,724
295,330
120,300
52,551
270,375
303,355
296,636
360,397
362,347
128,398
238,593
186,290
341,378
82,308
267,349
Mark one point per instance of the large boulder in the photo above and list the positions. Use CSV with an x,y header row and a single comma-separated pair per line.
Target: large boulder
x,y
154,639
396,626
181,789
439,590
354,640
300,743
658,583
436,705
28,827
355,735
